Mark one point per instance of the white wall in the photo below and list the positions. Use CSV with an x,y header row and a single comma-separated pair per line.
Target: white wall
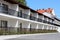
x,y
41,16
50,27
33,25
25,24
40,26
26,11
34,14
48,14
45,26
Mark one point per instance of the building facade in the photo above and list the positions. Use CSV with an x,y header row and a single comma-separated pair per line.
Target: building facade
x,y
51,14
57,21
13,15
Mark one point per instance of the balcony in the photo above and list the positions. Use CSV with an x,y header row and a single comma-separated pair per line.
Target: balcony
x,y
7,11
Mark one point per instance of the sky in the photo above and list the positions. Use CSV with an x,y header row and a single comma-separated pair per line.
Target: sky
x,y
44,4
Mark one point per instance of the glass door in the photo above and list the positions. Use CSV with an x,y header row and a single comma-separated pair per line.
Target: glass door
x,y
5,8
20,13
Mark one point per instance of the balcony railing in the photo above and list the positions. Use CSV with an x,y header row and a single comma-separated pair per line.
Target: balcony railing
x,y
44,21
33,18
23,15
39,20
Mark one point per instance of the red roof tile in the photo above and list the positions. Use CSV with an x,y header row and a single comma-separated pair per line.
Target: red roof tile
x,y
49,10
41,11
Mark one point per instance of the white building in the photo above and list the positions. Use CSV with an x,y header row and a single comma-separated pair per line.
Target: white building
x,y
51,15
14,15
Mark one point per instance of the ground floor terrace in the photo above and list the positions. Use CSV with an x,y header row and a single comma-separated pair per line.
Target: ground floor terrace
x,y
15,25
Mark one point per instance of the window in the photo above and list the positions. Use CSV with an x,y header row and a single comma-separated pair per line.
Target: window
x,y
3,24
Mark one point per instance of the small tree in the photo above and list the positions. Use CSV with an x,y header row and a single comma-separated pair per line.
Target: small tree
x,y
22,2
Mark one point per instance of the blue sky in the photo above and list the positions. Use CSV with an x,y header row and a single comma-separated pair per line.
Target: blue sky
x,y
40,4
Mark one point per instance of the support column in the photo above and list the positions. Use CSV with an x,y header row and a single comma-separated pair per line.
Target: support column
x,y
16,26
47,27
29,12
43,27
28,29
37,27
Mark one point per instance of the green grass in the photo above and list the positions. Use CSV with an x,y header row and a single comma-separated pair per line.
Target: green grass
x,y
33,31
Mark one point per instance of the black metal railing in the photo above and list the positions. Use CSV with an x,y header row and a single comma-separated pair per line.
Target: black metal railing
x,y
44,21
23,15
26,16
39,20
33,18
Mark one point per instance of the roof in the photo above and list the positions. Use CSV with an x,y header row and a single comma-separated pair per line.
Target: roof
x,y
12,1
49,10
41,11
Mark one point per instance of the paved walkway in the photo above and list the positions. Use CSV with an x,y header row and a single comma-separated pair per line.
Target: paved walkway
x,y
26,36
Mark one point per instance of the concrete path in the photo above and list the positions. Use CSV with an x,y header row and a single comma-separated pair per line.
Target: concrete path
x,y
44,36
